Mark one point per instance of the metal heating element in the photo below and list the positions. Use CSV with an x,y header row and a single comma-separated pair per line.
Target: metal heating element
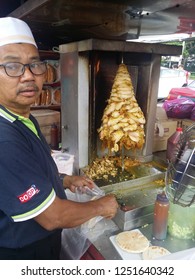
x,y
180,175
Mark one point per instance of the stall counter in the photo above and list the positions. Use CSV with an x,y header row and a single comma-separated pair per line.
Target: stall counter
x,y
103,248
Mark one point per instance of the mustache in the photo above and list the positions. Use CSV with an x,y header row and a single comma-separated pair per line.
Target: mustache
x,y
28,86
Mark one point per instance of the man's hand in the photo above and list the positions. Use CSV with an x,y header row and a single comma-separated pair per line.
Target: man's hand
x,y
72,182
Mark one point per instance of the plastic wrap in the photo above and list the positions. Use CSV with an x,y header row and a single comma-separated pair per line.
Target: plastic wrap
x,y
180,108
192,117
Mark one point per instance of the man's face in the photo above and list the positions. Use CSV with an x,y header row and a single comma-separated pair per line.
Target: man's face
x,y
19,92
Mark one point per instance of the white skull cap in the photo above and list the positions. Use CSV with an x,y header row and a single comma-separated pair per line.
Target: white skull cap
x,y
14,30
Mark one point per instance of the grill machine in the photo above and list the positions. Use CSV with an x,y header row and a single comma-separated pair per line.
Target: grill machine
x,y
88,69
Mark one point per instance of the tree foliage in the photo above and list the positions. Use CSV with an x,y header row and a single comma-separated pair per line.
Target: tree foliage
x,y
188,53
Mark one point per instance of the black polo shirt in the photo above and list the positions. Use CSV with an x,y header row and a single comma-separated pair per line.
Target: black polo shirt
x,y
29,180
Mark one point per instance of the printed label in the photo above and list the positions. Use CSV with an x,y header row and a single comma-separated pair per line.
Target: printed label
x,y
28,194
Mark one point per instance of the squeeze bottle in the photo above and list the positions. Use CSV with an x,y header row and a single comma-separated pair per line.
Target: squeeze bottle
x,y
161,211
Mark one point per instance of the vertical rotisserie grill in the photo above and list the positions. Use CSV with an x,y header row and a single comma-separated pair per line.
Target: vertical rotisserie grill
x,y
88,69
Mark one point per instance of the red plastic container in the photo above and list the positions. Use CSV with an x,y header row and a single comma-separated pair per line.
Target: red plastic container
x,y
173,141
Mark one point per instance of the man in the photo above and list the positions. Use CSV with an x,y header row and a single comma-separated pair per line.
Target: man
x,y
33,204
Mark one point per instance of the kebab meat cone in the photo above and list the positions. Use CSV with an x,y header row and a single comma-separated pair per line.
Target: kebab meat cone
x,y
123,120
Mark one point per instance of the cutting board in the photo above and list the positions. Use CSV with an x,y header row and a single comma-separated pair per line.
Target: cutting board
x,y
125,255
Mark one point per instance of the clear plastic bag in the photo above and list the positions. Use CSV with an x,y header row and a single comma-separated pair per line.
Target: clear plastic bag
x,y
74,244
76,241
87,194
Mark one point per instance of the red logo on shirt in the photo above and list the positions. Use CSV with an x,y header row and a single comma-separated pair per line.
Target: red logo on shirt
x,y
28,194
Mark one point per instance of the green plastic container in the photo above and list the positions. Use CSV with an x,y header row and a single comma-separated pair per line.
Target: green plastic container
x,y
181,221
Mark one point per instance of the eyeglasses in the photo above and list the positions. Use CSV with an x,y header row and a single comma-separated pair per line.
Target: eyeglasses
x,y
17,69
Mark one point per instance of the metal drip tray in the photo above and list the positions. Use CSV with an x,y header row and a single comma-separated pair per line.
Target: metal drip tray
x,y
135,190
131,172
136,198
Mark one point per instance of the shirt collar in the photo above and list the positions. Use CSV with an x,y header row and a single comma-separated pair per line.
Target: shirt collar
x,y
7,114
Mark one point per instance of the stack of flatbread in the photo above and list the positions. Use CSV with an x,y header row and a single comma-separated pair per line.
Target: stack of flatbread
x,y
132,241
123,120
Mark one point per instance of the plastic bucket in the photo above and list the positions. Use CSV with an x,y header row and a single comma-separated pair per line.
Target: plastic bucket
x,y
64,162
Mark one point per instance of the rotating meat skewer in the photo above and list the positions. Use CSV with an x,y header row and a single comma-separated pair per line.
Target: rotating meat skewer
x,y
123,159
123,120
122,149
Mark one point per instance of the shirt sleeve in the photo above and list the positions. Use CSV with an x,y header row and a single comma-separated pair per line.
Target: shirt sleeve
x,y
26,189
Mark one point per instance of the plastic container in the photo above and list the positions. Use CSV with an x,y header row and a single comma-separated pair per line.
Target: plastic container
x,y
161,211
64,162
181,221
173,141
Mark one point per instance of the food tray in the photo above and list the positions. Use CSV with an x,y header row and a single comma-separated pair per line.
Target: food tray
x,y
125,255
151,169
137,194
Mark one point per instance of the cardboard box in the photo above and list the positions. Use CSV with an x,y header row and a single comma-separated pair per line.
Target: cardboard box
x,y
46,118
163,130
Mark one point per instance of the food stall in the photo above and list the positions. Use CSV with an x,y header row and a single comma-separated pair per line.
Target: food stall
x,y
88,71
